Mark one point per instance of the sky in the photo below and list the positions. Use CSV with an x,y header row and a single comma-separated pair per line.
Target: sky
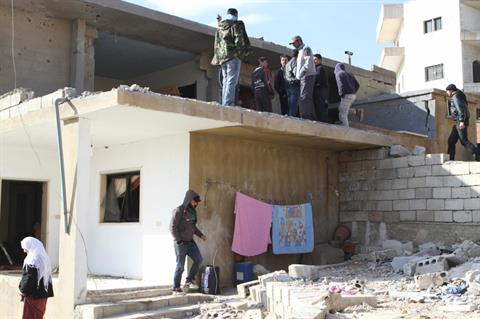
x,y
329,27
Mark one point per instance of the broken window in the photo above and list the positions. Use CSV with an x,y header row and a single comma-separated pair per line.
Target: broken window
x,y
434,72
121,202
432,25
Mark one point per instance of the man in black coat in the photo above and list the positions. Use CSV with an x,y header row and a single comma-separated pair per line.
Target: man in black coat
x,y
461,115
280,85
320,90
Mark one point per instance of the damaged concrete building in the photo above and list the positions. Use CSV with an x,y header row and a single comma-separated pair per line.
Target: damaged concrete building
x,y
158,145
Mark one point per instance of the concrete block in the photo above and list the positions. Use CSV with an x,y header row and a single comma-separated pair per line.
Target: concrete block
x,y
452,181
419,150
444,216
406,194
475,191
417,182
308,312
435,204
243,289
382,255
398,151
347,216
416,160
384,184
252,290
456,308
431,264
471,203
400,183
400,205
399,162
468,248
408,215
454,204
425,192
461,192
276,276
400,261
434,181
253,314
387,195
462,216
423,171
476,216
417,204
457,168
406,172
384,205
393,244
442,192
425,216
435,159
307,272
439,170
470,180
237,304
426,281
337,302
391,217
474,167
385,164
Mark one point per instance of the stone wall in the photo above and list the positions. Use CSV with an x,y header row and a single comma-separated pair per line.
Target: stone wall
x,y
416,198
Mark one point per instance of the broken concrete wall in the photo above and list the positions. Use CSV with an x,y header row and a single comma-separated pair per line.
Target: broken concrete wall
x,y
43,51
220,166
419,198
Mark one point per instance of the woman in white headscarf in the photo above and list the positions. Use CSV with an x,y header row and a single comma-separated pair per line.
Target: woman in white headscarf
x,y
36,283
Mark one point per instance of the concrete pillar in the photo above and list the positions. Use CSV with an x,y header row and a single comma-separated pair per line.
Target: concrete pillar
x,y
77,73
72,258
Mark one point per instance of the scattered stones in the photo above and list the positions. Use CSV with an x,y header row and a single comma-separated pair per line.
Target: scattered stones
x,y
427,280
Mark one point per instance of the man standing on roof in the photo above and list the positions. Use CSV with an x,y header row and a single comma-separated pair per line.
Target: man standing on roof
x,y
232,46
461,115
183,226
347,86
262,86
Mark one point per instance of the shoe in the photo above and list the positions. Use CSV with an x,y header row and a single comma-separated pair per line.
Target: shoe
x,y
177,292
360,114
190,286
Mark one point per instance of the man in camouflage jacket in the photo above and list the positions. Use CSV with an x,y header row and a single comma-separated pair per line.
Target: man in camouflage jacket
x,y
232,46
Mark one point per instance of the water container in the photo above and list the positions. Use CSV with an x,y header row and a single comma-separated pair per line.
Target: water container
x,y
210,283
243,272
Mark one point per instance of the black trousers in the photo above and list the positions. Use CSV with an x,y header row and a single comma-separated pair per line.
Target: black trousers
x,y
263,101
283,103
320,96
461,134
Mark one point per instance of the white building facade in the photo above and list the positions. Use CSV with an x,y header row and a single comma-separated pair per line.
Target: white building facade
x,y
435,42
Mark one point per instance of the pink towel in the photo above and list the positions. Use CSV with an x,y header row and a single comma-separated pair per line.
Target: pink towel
x,y
253,220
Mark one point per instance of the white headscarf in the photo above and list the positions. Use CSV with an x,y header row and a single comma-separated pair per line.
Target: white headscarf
x,y
38,258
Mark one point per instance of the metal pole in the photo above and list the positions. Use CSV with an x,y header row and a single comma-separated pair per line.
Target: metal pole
x,y
60,155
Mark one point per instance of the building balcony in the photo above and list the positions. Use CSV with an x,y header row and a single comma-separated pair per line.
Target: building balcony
x,y
392,58
389,23
471,88
471,37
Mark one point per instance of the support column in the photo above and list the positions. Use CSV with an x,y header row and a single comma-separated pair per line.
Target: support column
x,y
72,258
77,73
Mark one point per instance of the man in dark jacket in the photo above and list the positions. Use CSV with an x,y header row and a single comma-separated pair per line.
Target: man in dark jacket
x,y
183,226
280,85
231,47
262,86
320,90
347,86
461,115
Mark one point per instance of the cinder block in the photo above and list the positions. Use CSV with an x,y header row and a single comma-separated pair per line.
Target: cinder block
x,y
354,167
425,216
474,167
454,204
400,205
435,159
391,217
475,191
384,205
435,204
457,168
408,215
425,192
368,205
416,160
406,172
243,289
399,162
399,183
406,194
442,192
369,165
462,216
452,181
417,182
417,204
385,163
387,195
470,180
361,216
439,170
444,216
384,184
423,171
434,181
476,216
431,264
461,192
471,203
386,173
375,217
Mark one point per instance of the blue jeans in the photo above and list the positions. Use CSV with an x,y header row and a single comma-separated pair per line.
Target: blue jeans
x,y
293,93
183,250
230,75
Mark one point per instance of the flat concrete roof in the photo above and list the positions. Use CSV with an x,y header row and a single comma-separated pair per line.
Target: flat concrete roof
x,y
120,116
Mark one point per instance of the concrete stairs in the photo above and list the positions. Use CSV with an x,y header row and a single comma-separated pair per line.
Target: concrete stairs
x,y
139,303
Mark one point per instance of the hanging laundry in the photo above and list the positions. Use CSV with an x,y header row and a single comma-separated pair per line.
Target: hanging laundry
x,y
292,230
253,220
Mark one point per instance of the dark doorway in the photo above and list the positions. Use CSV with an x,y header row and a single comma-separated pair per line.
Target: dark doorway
x,y
20,216
188,91
476,71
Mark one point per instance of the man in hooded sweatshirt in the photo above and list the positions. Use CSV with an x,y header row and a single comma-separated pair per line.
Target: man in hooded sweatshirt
x,y
461,115
183,226
347,86
231,47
